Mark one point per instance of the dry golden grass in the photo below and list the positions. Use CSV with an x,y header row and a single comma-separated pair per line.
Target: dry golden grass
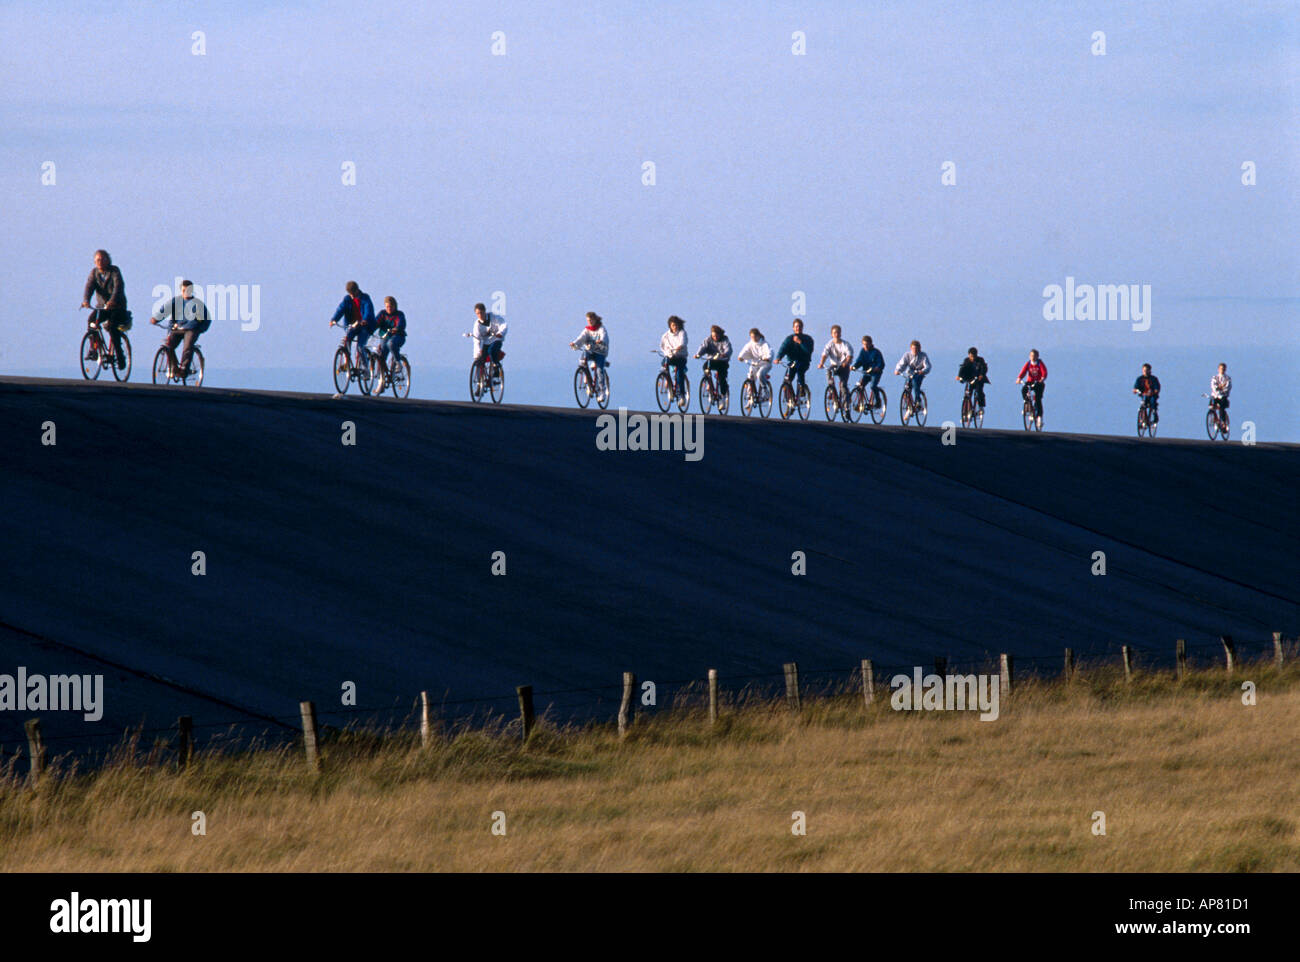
x,y
1188,778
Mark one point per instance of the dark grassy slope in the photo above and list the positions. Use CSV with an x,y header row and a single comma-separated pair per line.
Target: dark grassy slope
x,y
371,563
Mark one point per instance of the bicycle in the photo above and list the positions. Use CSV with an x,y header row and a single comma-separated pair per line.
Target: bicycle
x,y
912,406
710,395
755,394
166,368
588,385
1033,421
396,375
835,401
972,414
1216,419
96,350
790,402
346,370
667,392
858,402
486,378
1146,422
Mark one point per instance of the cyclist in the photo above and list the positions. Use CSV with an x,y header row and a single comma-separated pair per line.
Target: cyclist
x,y
1220,388
798,347
872,364
489,334
593,341
106,284
673,345
391,326
757,353
189,316
915,364
1034,377
357,312
840,355
716,351
1148,385
974,371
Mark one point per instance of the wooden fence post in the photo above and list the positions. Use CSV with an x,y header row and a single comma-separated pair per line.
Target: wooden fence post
x,y
1128,663
1180,656
1069,664
308,710
1229,651
426,720
1005,668
627,710
526,716
35,749
792,685
940,666
868,681
185,743
1278,658
713,696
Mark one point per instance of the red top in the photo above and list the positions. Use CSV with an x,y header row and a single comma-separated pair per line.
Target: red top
x,y
1036,372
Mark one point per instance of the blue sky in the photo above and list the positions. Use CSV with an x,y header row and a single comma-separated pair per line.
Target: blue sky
x,y
775,173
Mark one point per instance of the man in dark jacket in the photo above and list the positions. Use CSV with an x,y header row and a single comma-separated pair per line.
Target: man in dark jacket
x,y
189,316
1148,385
974,371
798,347
358,314
872,364
106,284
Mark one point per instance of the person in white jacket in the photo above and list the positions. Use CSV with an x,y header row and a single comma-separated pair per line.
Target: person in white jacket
x,y
838,352
489,333
915,364
757,353
674,345
593,341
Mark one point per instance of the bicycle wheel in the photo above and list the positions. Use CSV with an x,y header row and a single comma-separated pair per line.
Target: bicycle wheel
x,y
707,398
663,390
919,411
880,408
905,407
402,378
804,402
967,411
581,386
91,366
161,365
978,418
1224,428
476,381
724,402
746,398
195,376
602,388
123,373
378,376
342,371
362,369
497,382
787,400
684,397
831,403
1029,414
765,398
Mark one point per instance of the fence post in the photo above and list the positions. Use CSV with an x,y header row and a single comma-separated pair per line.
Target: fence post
x,y
526,716
868,681
426,720
627,710
185,746
1005,673
35,749
713,696
941,666
1229,652
1180,655
1128,663
308,710
792,685
1278,658
1069,664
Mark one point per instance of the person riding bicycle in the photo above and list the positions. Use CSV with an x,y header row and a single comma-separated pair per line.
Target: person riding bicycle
x,y
593,342
872,364
974,371
489,333
673,344
798,347
1148,385
189,317
716,351
915,365
757,353
1220,388
390,324
106,284
357,312
838,352
1034,377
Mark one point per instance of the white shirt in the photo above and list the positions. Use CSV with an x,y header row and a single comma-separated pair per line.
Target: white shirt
x,y
755,352
597,341
484,332
839,352
674,345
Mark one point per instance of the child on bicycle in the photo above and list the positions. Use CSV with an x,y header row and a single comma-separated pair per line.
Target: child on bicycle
x,y
391,325
1148,385
757,353
840,355
673,345
593,341
716,350
872,364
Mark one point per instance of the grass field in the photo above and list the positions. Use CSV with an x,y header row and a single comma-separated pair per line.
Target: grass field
x,y
1188,777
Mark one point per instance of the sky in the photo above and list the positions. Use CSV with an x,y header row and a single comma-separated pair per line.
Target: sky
x,y
783,181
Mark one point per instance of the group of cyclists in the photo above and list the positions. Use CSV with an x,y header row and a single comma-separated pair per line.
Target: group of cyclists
x,y
356,314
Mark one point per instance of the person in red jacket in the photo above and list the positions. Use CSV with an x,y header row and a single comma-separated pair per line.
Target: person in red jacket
x,y
1032,376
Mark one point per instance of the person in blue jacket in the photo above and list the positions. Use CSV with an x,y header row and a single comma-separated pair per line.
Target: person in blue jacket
x,y
357,312
872,364
798,347
391,324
